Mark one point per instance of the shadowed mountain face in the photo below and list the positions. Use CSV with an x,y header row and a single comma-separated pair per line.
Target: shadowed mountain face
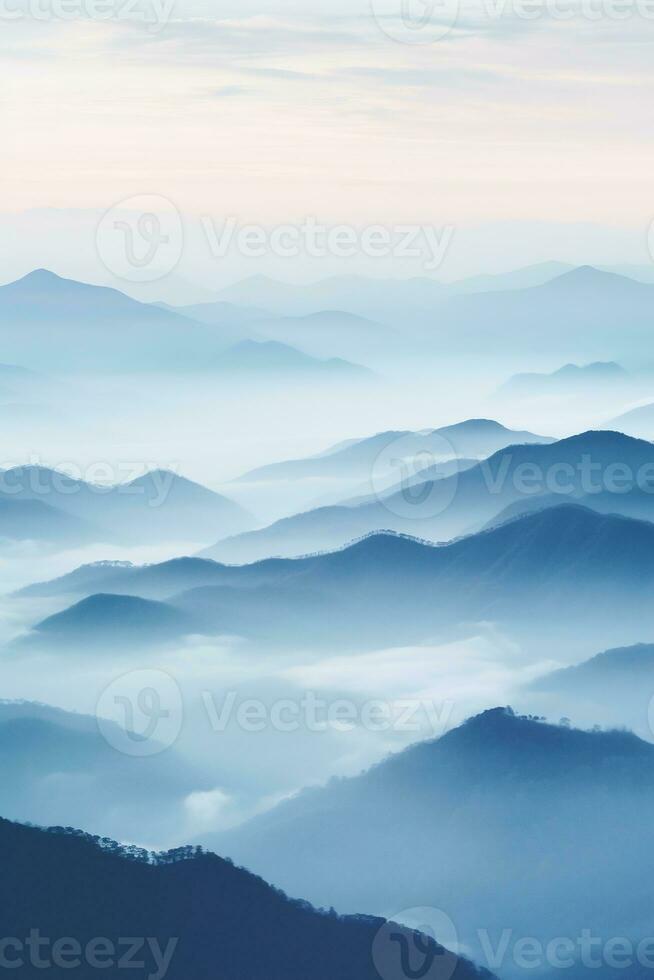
x,y
199,917
502,823
542,572
159,506
637,503
104,620
606,470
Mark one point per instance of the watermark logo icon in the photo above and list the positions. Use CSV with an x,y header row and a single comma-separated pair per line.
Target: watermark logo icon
x,y
415,477
141,712
419,944
141,239
416,21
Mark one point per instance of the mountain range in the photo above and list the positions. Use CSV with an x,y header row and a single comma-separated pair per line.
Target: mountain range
x,y
569,379
355,458
576,315
591,466
574,312
58,766
616,685
62,324
49,506
203,916
540,575
385,300
330,332
501,823
265,360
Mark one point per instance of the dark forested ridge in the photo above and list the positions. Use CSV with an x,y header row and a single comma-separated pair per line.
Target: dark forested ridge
x,y
199,916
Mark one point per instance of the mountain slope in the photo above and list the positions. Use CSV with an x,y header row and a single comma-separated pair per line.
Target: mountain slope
x,y
356,459
542,575
575,315
205,917
615,685
265,359
635,663
58,766
505,808
158,506
63,324
638,422
34,520
441,509
569,379
103,620
331,333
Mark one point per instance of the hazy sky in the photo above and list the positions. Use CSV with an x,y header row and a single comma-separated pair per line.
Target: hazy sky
x,y
278,108
272,110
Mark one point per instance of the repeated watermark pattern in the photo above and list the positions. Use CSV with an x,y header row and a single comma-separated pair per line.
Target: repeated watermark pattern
x,y
416,485
40,952
423,944
128,478
428,21
141,239
154,14
141,713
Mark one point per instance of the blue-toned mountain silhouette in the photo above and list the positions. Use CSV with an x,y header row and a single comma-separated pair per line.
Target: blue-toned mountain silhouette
x,y
331,332
34,520
575,316
502,822
356,458
105,620
386,300
159,506
637,422
616,685
634,664
512,481
569,379
269,360
541,575
208,918
57,766
61,324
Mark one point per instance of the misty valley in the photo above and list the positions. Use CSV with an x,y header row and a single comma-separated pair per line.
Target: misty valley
x,y
327,650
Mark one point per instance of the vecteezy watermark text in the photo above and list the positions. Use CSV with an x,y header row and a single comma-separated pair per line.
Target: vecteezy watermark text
x,y
155,14
99,953
67,479
141,239
587,475
315,240
142,713
312,713
424,943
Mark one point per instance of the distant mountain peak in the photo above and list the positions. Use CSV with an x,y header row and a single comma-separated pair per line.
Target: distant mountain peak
x,y
489,424
603,437
588,276
41,276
